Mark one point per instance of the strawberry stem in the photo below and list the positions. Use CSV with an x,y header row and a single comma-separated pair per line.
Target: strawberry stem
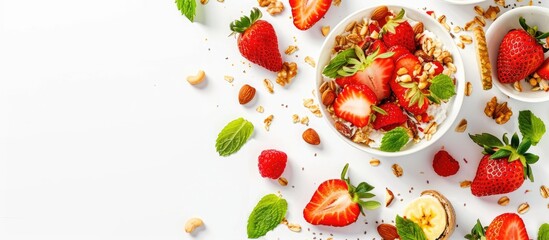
x,y
359,192
239,26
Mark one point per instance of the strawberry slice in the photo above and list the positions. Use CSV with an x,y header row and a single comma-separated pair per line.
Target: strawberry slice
x,y
439,68
398,51
354,104
338,203
507,226
416,105
375,71
408,61
393,117
543,70
378,46
374,27
307,12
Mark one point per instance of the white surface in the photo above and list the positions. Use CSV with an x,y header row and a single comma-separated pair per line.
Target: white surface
x,y
101,137
535,16
448,43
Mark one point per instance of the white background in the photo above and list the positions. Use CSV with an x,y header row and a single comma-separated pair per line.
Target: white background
x,y
101,137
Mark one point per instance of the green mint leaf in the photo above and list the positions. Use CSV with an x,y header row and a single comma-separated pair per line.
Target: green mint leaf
x,y
442,87
233,136
543,233
187,8
267,214
394,140
408,230
486,139
338,62
531,126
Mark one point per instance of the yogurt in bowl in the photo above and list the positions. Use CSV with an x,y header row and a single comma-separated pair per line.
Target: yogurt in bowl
x,y
390,79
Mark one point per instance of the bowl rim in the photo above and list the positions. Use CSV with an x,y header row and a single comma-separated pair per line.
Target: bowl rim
x,y
457,100
464,2
520,96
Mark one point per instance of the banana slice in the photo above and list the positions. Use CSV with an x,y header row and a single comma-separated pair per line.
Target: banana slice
x,y
433,213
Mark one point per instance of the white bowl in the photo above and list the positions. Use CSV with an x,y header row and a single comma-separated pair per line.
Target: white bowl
x,y
535,16
464,2
430,24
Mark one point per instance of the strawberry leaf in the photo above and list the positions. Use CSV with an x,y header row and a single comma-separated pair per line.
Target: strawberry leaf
x,y
486,139
524,146
233,136
531,158
531,126
442,87
409,230
340,60
365,195
505,139
515,140
267,214
370,205
364,187
500,154
477,233
394,140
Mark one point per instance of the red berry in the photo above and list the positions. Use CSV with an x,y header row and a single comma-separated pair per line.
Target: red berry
x,y
444,164
272,163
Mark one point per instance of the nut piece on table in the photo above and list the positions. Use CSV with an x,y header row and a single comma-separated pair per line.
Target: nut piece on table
x,y
193,224
325,30
397,170
389,197
523,208
498,111
197,79
462,125
387,231
288,72
246,94
503,201
311,136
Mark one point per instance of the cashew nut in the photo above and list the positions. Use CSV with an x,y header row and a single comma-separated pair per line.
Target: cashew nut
x,y
192,224
193,80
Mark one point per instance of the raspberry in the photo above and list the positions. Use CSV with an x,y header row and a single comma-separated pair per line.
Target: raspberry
x,y
444,164
272,163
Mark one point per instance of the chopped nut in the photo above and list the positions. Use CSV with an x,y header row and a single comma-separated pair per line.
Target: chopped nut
x,y
259,109
304,120
288,72
309,103
479,10
402,71
375,162
483,59
192,224
492,13
466,39
461,45
295,118
523,208
503,201
465,184
343,129
264,3
480,21
457,29
310,61
418,28
544,191
291,49
491,107
397,170
294,227
268,122
203,2
468,88
469,25
325,30
269,85
275,7
336,3
229,79
500,2
517,86
462,125
282,181
389,197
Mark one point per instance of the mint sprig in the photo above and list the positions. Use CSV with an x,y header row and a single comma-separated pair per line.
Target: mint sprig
x,y
394,140
267,214
233,136
338,62
543,233
409,230
187,8
442,88
530,126
351,61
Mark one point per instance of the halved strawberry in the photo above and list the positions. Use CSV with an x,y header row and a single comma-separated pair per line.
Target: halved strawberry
x,y
378,46
543,70
374,27
354,104
374,71
393,117
507,226
398,51
408,61
397,31
414,101
439,68
307,12
338,203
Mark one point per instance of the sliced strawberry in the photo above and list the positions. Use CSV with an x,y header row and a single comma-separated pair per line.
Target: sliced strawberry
x,y
404,101
377,45
398,51
408,61
307,12
439,68
376,77
338,203
374,27
393,117
507,226
354,104
383,21
543,70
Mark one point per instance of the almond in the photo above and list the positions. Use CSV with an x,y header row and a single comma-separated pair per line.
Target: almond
x,y
311,137
387,231
418,28
343,129
328,97
389,196
380,13
246,94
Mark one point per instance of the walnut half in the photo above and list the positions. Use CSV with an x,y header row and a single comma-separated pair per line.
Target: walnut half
x,y
498,111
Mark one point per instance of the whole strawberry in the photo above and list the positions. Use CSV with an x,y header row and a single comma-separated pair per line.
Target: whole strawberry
x,y
520,53
257,41
504,227
444,164
506,164
338,203
543,70
397,31
271,163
